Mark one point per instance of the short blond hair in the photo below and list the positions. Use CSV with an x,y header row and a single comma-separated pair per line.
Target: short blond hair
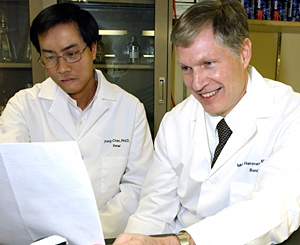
x,y
227,18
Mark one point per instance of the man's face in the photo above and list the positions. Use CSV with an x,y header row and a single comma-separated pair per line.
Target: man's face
x,y
214,74
76,79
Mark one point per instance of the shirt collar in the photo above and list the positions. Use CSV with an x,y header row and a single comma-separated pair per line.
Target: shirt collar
x,y
73,102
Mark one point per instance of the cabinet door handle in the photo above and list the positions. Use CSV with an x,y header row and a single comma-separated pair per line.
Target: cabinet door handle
x,y
161,90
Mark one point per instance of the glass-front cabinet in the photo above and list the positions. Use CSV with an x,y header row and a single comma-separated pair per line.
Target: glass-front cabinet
x,y
17,71
134,50
15,49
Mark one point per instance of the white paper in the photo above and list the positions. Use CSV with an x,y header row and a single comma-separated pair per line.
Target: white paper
x,y
45,190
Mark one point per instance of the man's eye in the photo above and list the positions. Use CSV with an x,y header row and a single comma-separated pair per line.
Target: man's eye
x,y
71,54
49,58
185,68
209,63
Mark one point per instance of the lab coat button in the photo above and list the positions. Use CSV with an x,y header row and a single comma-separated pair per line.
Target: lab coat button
x,y
208,182
80,123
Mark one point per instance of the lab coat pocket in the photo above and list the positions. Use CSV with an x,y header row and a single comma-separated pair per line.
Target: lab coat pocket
x,y
112,172
239,191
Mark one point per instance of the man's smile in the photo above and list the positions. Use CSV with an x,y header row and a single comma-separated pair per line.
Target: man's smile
x,y
206,95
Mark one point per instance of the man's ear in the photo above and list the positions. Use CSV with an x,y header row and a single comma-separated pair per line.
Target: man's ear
x,y
94,49
246,52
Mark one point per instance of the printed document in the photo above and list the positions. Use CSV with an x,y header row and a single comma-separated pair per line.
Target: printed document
x,y
45,190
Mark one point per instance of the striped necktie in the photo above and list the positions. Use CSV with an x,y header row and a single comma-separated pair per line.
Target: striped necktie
x,y
224,133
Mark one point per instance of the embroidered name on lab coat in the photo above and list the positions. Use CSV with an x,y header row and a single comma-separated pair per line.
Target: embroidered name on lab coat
x,y
116,142
252,164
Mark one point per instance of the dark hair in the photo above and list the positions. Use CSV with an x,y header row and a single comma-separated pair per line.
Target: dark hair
x,y
227,18
64,13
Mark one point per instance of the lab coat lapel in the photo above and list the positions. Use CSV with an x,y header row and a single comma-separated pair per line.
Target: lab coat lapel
x,y
96,112
258,104
59,108
200,136
105,93
60,111
237,140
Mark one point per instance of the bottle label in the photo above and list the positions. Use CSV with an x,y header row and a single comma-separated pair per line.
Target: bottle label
x,y
133,53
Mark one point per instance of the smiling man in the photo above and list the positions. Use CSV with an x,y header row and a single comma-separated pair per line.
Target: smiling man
x,y
226,168
77,103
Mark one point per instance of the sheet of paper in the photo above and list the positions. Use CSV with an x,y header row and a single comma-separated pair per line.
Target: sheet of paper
x,y
45,190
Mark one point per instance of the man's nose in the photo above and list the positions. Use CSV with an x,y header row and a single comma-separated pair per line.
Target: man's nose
x,y
199,80
62,65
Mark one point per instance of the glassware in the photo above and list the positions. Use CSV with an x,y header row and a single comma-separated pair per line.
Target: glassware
x,y
25,50
7,49
28,84
149,53
133,51
3,98
100,58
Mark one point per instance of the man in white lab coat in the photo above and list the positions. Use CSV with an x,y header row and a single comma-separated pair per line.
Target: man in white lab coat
x,y
78,104
251,194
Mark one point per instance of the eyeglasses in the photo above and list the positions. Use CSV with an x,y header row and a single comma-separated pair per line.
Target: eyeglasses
x,y
70,57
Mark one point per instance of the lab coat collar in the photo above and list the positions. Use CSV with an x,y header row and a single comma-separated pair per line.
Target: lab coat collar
x,y
258,105
261,102
60,111
48,89
106,93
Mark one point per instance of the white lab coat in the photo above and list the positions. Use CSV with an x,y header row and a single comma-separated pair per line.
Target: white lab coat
x,y
252,194
115,141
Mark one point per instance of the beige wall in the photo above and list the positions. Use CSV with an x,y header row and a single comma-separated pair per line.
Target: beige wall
x,y
264,57
289,71
264,53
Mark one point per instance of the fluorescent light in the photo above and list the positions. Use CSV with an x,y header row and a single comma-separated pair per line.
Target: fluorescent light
x,y
148,55
112,32
110,55
148,33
